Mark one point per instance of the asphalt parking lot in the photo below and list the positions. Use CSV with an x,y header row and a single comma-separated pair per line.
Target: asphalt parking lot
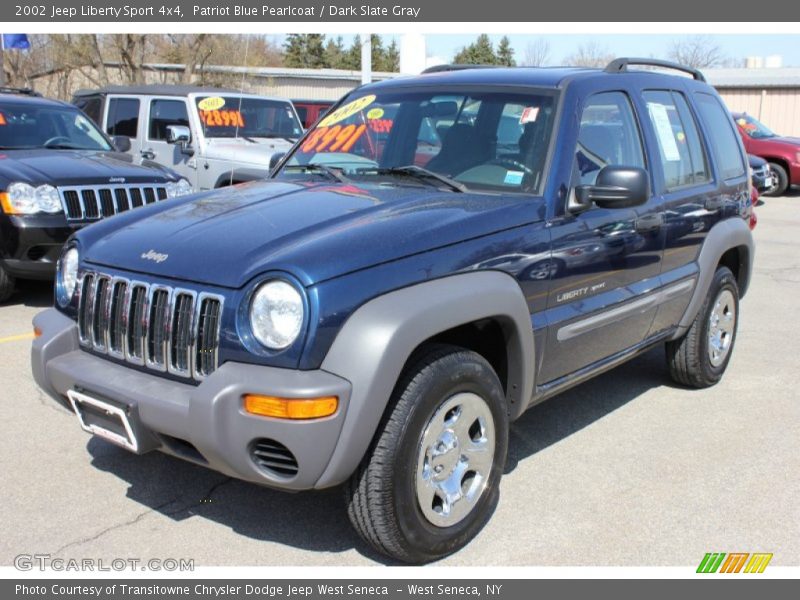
x,y
624,470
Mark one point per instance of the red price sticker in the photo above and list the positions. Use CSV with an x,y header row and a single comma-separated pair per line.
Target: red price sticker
x,y
333,139
222,118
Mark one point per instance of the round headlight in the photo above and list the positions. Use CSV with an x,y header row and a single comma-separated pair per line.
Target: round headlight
x,y
276,314
21,198
68,275
178,188
46,199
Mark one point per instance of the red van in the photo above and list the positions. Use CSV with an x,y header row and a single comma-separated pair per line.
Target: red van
x,y
311,110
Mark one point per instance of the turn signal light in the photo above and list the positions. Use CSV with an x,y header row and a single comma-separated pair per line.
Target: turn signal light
x,y
290,408
5,204
37,332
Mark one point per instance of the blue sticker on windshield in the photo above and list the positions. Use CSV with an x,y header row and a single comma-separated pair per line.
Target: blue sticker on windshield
x,y
513,177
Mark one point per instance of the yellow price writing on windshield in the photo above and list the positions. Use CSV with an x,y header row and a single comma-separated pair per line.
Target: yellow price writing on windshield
x,y
349,109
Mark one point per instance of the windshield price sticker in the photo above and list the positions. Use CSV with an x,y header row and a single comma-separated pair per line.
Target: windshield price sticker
x,y
529,115
3,119
212,103
348,110
333,139
222,118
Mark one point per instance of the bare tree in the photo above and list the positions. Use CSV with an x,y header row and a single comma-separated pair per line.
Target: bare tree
x,y
590,54
697,51
537,53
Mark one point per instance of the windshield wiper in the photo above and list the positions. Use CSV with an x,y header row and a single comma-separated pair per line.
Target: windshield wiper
x,y
423,173
320,168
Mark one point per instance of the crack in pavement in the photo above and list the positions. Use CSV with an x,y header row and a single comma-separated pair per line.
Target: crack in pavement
x,y
205,496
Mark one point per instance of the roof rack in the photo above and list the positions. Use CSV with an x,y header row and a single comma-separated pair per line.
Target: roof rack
x,y
20,91
620,65
444,68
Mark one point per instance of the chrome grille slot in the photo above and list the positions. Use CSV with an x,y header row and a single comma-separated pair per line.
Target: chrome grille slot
x,y
119,318
158,331
122,199
72,205
85,309
91,202
182,326
100,313
107,203
136,197
208,322
137,324
155,326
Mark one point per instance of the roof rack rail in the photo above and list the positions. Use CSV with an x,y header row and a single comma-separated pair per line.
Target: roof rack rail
x,y
21,91
444,68
620,65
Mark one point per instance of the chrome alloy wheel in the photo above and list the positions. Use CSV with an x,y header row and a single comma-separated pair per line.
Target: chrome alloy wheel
x,y
455,459
721,327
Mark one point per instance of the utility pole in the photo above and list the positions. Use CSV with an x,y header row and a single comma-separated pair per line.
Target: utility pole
x,y
2,61
366,59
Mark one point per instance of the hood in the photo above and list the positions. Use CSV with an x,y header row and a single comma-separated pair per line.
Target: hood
x,y
314,231
74,167
783,140
241,151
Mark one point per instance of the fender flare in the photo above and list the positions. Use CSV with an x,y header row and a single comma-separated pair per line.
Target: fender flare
x,y
374,344
727,234
240,176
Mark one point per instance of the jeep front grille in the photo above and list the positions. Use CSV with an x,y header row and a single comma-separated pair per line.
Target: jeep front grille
x,y
89,203
162,328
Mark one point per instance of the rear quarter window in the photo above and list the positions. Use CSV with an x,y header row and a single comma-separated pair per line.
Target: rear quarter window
x,y
722,138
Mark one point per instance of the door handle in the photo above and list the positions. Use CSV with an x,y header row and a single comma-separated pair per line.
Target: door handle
x,y
650,222
148,154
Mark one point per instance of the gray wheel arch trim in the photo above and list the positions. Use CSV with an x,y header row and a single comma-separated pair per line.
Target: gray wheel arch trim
x,y
727,234
374,344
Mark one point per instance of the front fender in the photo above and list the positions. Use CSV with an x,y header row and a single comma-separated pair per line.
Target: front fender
x,y
374,344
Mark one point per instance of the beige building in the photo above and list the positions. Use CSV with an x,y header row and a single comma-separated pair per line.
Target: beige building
x,y
770,95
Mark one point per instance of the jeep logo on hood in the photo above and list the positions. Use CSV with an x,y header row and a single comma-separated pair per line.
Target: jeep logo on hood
x,y
116,180
154,256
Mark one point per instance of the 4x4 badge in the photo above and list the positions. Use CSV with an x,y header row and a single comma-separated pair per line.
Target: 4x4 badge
x,y
155,256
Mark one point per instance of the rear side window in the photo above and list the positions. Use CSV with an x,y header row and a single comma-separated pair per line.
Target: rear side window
x,y
722,137
123,117
164,113
683,160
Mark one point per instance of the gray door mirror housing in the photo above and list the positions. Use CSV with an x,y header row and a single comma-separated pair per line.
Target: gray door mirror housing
x,y
177,134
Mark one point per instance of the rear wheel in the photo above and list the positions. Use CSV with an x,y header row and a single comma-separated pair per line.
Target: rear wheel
x,y
780,180
6,284
432,478
701,356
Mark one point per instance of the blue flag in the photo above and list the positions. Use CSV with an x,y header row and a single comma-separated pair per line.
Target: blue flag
x,y
15,41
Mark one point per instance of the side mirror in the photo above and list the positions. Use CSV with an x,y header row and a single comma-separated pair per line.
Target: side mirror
x,y
178,134
122,143
275,159
616,187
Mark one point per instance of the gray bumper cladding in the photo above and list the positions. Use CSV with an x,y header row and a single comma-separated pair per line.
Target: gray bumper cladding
x,y
204,423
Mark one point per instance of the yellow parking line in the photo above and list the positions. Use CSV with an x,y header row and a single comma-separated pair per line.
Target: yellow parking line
x,y
16,338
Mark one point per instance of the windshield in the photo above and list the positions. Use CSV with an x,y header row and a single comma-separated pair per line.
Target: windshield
x,y
28,126
753,127
478,140
245,117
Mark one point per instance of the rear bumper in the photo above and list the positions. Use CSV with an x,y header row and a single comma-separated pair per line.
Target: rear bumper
x,y
204,423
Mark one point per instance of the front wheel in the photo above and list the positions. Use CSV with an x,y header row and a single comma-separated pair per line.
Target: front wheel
x,y
432,478
780,180
700,357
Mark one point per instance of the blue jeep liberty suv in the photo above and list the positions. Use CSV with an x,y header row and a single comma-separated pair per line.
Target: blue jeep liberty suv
x,y
436,255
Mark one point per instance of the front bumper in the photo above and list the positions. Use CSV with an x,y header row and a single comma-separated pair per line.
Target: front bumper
x,y
203,423
30,245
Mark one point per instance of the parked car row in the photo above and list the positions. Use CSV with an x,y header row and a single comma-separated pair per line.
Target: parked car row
x,y
782,153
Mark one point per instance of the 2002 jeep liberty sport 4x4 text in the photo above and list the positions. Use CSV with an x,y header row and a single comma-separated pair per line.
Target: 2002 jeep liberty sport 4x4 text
x,y
437,255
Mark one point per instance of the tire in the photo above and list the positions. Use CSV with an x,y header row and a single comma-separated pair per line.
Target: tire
x,y
420,447
6,284
781,180
700,357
